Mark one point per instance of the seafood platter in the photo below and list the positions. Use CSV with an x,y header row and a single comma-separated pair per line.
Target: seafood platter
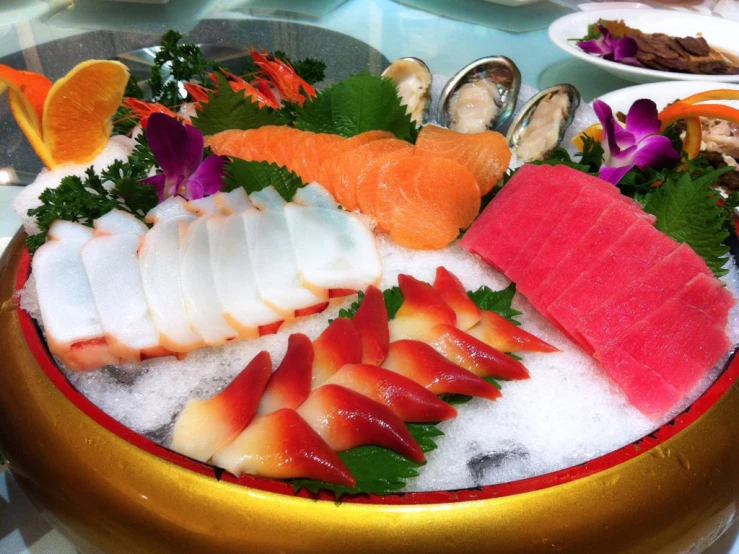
x,y
393,314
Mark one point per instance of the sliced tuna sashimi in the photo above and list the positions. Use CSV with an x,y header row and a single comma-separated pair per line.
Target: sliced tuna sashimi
x,y
282,445
112,267
65,299
611,225
710,296
646,293
333,249
633,254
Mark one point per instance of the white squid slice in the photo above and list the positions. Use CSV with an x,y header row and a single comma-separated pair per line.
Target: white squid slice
x,y
333,248
174,206
202,303
71,322
118,222
112,268
267,199
314,194
233,202
234,277
275,269
159,261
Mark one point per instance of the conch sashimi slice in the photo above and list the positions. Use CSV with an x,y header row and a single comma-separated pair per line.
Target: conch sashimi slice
x,y
206,426
281,445
333,248
345,419
290,384
422,309
71,322
452,291
371,320
112,267
118,222
501,334
339,344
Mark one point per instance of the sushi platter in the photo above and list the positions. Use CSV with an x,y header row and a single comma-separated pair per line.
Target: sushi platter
x,y
246,312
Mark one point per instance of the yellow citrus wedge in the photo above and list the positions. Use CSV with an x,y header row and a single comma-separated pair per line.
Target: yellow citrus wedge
x,y
79,108
28,122
594,131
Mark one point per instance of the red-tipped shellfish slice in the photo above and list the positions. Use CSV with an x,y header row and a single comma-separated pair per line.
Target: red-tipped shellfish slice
x,y
290,383
484,154
205,426
424,365
406,398
345,419
282,445
371,180
338,345
371,320
311,153
422,309
452,291
496,331
348,169
474,355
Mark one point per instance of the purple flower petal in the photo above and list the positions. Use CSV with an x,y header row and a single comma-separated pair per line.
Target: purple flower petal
x,y
159,182
613,174
642,119
168,140
207,179
605,116
192,149
657,152
594,46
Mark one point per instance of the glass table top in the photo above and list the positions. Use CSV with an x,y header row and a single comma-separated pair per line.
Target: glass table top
x,y
351,36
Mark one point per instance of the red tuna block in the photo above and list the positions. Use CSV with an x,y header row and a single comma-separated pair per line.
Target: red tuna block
x,y
339,344
371,321
611,225
282,445
205,426
709,295
345,419
290,383
645,389
499,232
572,227
424,365
501,334
422,309
567,176
452,291
406,398
678,342
633,254
474,355
642,297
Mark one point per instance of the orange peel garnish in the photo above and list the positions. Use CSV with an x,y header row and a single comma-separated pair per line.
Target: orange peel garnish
x,y
595,132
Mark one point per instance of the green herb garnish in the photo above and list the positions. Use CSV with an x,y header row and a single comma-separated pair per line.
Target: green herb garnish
x,y
255,176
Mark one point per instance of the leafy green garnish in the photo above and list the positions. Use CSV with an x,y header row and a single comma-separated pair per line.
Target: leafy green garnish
x,y
228,109
378,470
498,301
255,176
687,210
357,104
393,301
311,70
458,399
593,32
590,159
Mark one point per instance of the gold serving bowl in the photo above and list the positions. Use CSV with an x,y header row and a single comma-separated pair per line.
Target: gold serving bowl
x,y
109,489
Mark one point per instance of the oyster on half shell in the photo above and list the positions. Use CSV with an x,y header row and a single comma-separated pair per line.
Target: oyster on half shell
x,y
413,79
481,96
541,124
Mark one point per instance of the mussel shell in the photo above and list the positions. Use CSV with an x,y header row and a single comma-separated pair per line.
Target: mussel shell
x,y
524,115
422,68
498,69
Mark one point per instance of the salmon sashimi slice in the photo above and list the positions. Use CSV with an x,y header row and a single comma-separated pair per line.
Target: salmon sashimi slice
x,y
423,202
311,153
348,169
236,142
280,145
486,155
367,185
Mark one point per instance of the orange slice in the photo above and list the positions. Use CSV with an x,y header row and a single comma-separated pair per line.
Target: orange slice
x,y
595,132
79,108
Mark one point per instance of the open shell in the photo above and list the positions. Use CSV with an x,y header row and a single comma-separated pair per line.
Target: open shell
x,y
481,96
541,124
413,79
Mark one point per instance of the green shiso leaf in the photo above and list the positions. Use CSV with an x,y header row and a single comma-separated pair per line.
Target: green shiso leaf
x,y
227,109
687,210
357,104
311,70
393,301
254,176
497,301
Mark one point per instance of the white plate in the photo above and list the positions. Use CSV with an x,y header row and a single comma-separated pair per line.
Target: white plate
x,y
720,33
664,93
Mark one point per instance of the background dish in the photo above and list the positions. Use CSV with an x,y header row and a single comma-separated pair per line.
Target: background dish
x,y
663,93
719,33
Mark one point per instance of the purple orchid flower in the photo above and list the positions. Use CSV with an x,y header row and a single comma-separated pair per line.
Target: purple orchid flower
x,y
178,150
638,144
611,48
